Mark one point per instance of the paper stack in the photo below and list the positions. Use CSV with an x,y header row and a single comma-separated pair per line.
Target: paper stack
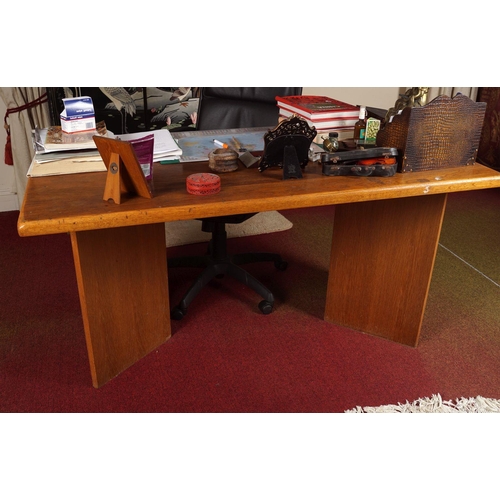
x,y
53,158
165,149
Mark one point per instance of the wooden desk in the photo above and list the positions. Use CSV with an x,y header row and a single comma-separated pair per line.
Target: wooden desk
x,y
385,238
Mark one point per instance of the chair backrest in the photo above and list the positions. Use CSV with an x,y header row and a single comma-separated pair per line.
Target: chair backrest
x,y
237,107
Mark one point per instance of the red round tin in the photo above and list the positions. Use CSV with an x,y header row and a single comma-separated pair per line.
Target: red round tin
x,y
203,184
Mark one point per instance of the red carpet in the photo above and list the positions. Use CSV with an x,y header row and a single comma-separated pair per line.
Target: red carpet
x,y
225,356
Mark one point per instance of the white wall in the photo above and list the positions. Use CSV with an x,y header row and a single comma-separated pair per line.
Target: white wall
x,y
377,97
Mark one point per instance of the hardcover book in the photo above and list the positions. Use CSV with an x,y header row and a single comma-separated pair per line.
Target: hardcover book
x,y
322,123
312,107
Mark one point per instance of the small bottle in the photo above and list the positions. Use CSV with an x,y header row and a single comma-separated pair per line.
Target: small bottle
x,y
360,125
332,142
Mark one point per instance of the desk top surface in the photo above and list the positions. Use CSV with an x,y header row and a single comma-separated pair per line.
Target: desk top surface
x,y
74,202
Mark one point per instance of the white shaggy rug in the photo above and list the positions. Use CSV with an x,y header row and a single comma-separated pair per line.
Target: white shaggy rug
x,y
435,404
189,231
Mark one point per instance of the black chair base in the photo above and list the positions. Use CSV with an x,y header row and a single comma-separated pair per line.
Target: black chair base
x,y
217,264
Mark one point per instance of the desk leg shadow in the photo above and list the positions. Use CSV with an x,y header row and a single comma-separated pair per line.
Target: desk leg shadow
x,y
123,286
382,258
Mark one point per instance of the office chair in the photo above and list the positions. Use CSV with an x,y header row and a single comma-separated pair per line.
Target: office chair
x,y
226,108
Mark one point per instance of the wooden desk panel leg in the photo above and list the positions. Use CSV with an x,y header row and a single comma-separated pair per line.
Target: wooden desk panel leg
x,y
123,287
381,265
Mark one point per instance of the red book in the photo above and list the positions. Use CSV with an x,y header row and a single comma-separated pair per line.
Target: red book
x,y
315,107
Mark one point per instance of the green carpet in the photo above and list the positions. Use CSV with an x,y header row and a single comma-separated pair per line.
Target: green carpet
x,y
460,339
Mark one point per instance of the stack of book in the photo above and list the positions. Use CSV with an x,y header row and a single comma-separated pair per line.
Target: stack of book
x,y
324,113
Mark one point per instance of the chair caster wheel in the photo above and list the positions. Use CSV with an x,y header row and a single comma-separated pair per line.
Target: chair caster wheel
x,y
281,266
265,307
177,313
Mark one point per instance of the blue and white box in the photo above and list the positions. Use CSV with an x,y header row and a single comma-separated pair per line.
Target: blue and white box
x,y
78,115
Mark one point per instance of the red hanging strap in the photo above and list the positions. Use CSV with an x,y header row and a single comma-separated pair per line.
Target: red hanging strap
x,y
9,159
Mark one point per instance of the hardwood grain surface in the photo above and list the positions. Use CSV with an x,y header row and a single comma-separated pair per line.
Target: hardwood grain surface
x,y
67,203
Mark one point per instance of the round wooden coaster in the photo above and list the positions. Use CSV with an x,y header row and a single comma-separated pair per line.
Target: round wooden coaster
x,y
223,160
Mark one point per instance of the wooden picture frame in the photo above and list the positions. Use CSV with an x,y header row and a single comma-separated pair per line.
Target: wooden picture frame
x,y
125,175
